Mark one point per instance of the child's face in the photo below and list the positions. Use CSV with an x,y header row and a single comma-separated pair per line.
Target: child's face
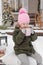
x,y
24,25
26,29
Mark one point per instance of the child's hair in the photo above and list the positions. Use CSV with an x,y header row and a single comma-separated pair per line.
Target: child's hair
x,y
23,16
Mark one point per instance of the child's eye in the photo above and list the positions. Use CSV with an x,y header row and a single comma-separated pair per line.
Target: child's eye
x,y
24,24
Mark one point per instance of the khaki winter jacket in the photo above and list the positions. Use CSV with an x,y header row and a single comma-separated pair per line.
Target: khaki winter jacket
x,y
23,43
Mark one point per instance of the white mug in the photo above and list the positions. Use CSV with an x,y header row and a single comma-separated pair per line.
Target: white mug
x,y
28,31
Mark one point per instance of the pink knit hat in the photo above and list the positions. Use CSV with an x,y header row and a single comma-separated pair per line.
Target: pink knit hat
x,y
23,17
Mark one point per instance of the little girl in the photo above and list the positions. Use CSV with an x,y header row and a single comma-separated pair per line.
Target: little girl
x,y
23,36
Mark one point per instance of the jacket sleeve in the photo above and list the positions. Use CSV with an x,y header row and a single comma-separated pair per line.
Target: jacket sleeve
x,y
15,33
18,36
33,36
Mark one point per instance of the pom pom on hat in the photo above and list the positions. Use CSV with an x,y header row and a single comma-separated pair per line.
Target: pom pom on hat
x,y
22,10
23,17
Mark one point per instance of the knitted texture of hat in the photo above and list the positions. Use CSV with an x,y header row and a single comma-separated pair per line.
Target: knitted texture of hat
x,y
23,17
